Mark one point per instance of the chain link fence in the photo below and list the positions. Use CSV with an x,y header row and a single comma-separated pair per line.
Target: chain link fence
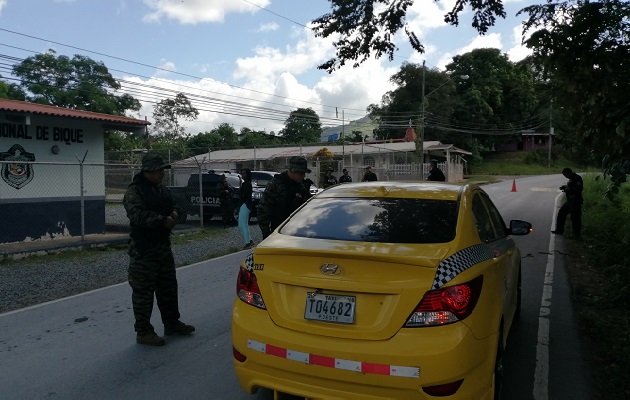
x,y
46,200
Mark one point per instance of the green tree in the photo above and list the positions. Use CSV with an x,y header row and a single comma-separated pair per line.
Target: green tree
x,y
499,92
120,141
201,142
228,135
402,106
363,28
11,91
302,126
79,83
250,138
167,114
583,47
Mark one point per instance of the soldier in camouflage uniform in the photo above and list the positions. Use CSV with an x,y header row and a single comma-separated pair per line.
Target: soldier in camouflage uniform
x,y
153,213
225,197
283,195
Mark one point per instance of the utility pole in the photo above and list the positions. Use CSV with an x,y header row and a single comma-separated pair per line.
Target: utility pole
x,y
421,144
550,129
343,140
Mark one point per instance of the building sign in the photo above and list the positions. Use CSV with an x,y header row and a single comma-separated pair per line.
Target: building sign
x,y
53,134
17,174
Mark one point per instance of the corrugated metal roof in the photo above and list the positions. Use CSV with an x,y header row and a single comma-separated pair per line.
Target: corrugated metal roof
x,y
268,153
34,108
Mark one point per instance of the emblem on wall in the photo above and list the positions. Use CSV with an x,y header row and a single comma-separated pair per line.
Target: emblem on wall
x,y
17,174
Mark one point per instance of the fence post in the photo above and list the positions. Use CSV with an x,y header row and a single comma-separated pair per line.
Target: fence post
x,y
82,196
199,165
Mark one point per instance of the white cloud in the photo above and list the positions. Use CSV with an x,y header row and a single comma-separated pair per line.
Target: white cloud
x,y
2,4
426,15
165,67
196,11
518,52
273,70
492,40
269,62
272,26
122,7
272,85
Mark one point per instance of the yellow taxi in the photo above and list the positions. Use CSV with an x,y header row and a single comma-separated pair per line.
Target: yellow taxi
x,y
381,290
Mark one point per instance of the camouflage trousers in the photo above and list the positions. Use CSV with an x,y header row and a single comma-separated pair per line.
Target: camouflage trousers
x,y
152,274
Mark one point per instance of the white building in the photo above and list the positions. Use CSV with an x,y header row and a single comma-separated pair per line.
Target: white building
x,y
44,191
389,160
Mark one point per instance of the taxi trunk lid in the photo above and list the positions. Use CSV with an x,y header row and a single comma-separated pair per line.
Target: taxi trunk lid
x,y
345,289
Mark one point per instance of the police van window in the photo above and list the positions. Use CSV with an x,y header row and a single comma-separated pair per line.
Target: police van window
x,y
233,181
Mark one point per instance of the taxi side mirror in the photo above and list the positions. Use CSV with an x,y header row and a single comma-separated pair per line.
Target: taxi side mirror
x,y
518,227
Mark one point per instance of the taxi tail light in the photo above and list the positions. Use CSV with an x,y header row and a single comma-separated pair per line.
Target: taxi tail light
x,y
247,289
446,305
447,389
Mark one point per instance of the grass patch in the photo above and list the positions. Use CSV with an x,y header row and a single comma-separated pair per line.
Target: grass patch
x,y
110,190
520,163
600,279
182,238
481,179
71,253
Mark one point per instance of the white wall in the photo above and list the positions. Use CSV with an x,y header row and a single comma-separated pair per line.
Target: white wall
x,y
73,137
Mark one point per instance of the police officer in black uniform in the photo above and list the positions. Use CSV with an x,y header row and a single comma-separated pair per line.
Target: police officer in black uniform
x,y
329,179
573,205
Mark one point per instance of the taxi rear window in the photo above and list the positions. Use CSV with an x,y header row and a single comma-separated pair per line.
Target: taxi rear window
x,y
383,220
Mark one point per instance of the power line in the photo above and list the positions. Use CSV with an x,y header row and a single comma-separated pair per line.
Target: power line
x,y
150,66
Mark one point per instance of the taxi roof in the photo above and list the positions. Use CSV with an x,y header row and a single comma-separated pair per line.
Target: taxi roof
x,y
399,189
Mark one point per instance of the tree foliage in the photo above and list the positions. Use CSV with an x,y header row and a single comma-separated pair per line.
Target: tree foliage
x,y
402,106
79,83
250,138
583,49
167,114
204,141
497,92
302,126
367,27
11,91
480,92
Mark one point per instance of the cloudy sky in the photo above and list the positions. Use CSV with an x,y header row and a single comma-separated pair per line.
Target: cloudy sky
x,y
243,62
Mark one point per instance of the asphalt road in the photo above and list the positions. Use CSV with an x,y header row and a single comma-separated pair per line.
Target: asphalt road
x,y
84,346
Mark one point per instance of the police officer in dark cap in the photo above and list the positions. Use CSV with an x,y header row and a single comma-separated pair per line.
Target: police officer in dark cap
x,y
329,179
345,178
283,195
152,213
435,174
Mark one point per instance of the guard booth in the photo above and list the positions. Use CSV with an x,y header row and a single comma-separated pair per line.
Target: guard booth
x,y
52,181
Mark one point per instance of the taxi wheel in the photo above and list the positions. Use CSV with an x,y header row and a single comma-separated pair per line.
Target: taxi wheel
x,y
498,369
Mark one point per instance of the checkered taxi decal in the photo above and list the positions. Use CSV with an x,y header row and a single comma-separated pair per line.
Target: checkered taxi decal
x,y
248,262
460,262
337,363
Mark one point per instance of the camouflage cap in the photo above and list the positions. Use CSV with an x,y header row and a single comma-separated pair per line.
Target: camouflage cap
x,y
298,164
153,162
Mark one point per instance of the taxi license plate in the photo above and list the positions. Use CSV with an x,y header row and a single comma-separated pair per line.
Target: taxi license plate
x,y
330,308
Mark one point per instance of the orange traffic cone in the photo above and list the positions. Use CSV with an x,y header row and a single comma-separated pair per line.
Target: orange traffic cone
x,y
514,185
